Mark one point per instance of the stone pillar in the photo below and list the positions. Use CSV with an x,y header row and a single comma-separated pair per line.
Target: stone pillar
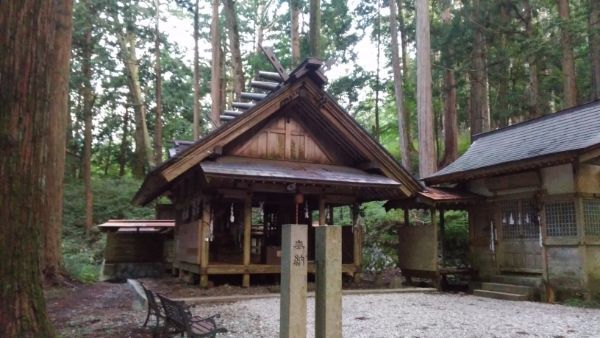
x,y
292,323
328,295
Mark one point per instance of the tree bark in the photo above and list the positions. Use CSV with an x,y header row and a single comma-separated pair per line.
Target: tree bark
x,y
450,119
405,60
196,128
314,35
568,59
88,102
143,147
594,43
234,46
295,31
124,145
158,124
398,89
30,33
215,80
427,157
479,105
52,269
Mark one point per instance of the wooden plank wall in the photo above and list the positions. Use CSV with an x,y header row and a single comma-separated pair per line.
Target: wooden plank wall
x,y
133,248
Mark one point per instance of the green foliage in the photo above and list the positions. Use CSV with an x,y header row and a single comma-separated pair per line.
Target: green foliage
x,y
112,200
456,244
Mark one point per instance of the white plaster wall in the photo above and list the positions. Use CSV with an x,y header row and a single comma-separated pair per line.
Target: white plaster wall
x,y
588,179
558,179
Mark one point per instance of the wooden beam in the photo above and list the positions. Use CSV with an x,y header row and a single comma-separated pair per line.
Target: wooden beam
x,y
358,236
442,235
247,235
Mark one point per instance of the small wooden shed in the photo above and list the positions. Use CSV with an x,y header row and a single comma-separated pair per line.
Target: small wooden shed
x,y
538,215
137,248
293,155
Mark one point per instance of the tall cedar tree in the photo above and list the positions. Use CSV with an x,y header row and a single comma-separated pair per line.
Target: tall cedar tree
x,y
215,80
234,46
450,118
568,57
31,69
52,269
478,101
87,92
594,45
398,89
427,156
314,35
295,31
196,128
127,39
158,123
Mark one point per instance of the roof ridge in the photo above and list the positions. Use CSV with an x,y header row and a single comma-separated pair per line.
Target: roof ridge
x,y
537,119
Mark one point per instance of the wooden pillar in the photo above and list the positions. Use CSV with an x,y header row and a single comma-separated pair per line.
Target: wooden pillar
x,y
434,224
204,242
399,250
322,211
358,236
442,235
293,281
328,293
247,236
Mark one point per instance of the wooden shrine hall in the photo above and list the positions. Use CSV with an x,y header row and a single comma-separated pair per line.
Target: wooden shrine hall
x,y
292,155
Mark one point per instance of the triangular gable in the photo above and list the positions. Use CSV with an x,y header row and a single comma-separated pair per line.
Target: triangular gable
x,y
283,138
303,89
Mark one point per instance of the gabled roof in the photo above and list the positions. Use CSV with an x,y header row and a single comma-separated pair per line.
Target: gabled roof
x,y
304,89
549,139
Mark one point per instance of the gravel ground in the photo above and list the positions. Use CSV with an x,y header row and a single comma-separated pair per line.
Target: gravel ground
x,y
419,315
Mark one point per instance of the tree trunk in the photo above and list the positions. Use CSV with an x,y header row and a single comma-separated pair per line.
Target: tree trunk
x,y
594,42
260,29
87,92
143,147
568,59
124,146
398,89
158,151
377,132
234,45
314,35
196,128
479,106
534,86
215,80
427,157
450,121
29,68
52,270
295,31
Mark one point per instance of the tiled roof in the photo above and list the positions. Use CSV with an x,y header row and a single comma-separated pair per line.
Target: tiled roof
x,y
573,129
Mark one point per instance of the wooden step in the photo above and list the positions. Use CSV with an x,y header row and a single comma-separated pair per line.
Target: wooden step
x,y
499,295
533,281
508,288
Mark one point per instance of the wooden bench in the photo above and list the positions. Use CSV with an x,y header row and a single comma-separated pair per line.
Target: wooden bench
x,y
153,308
179,320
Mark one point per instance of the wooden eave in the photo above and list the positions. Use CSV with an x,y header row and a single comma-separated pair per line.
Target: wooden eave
x,y
307,87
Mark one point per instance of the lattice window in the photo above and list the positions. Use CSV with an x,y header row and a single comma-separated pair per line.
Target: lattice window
x,y
560,219
591,215
519,219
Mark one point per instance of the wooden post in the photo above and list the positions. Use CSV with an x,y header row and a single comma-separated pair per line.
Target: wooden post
x,y
442,235
247,236
328,295
293,281
358,236
205,224
322,214
434,224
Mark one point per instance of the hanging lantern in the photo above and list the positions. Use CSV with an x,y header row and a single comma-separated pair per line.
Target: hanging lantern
x,y
232,216
299,198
